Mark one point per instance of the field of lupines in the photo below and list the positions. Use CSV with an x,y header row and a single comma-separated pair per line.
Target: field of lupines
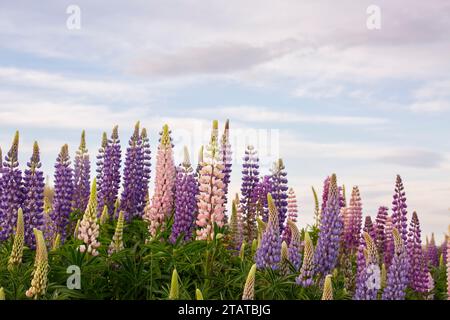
x,y
184,240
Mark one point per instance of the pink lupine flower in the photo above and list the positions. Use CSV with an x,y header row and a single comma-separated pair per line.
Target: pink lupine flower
x,y
210,199
89,230
162,202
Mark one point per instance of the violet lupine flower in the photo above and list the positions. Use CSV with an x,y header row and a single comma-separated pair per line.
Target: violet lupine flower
x,y
225,151
145,168
328,245
210,198
369,227
163,198
33,203
268,254
11,195
419,269
368,279
100,171
448,264
399,212
294,246
380,225
279,190
62,201
444,249
262,188
326,186
389,242
235,225
185,201
305,278
108,187
132,197
292,211
432,252
397,277
352,221
81,174
250,177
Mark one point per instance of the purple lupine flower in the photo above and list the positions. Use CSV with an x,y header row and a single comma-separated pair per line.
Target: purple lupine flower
x,y
342,200
235,226
388,252
108,188
259,196
33,203
279,191
331,225
432,252
352,221
100,171
62,201
380,225
81,175
294,245
292,208
225,151
145,168
250,177
418,268
185,201
268,254
133,198
368,279
11,195
326,187
369,227
399,212
397,275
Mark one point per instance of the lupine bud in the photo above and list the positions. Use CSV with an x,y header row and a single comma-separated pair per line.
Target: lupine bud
x,y
255,245
2,292
40,271
249,288
17,250
242,251
383,276
327,288
316,207
305,279
116,244
88,230
284,264
104,218
261,228
198,294
294,246
56,243
82,172
174,286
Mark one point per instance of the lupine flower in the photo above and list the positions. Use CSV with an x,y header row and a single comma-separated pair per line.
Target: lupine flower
x,y
235,236
56,243
104,217
399,212
19,237
199,162
327,288
284,263
77,227
116,244
174,286
444,249
11,195
328,245
249,288
259,197
269,250
383,276
250,177
145,169
305,278
326,187
62,201
163,198
430,285
88,231
316,207
279,191
198,294
48,229
82,173
380,225
432,252
225,151
369,227
33,204
292,211
369,274
242,251
185,201
294,245
389,242
132,199
100,169
448,263
210,197
419,269
353,221
40,271
108,186
397,277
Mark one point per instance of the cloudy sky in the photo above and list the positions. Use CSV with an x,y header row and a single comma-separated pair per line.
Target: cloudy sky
x,y
305,80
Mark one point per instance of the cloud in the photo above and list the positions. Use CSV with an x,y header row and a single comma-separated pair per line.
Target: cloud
x,y
433,106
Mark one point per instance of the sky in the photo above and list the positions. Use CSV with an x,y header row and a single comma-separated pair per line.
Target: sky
x,y
306,81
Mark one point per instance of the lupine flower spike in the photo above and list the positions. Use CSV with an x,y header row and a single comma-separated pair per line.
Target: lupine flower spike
x,y
225,151
249,288
234,236
116,244
418,264
327,288
284,263
279,191
198,294
163,198
399,212
305,278
448,264
82,171
369,274
88,231
294,246
292,211
174,286
104,218
41,267
56,242
17,250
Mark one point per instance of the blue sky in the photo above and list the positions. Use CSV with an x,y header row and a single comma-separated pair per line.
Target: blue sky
x,y
336,97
